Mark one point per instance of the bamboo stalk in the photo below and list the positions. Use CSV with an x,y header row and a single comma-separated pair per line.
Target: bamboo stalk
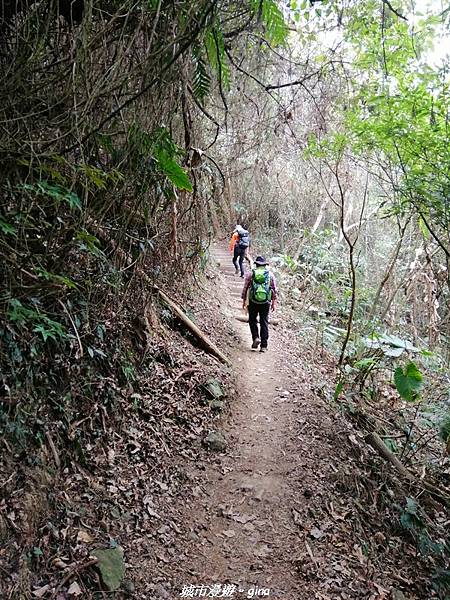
x,y
209,345
377,443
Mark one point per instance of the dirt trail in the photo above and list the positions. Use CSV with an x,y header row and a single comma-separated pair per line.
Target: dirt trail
x,y
292,508
243,532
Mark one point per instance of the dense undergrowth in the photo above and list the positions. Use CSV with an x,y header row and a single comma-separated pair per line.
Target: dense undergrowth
x,y
390,383
105,194
93,451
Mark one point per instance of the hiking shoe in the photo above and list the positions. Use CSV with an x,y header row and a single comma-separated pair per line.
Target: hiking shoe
x,y
256,342
263,349
242,275
236,271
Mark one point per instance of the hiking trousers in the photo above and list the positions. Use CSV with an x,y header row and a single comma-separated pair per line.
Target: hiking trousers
x,y
263,311
239,253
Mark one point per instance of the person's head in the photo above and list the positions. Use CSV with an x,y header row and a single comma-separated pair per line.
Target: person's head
x,y
244,226
260,261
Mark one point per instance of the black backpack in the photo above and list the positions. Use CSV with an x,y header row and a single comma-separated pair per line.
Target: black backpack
x,y
244,238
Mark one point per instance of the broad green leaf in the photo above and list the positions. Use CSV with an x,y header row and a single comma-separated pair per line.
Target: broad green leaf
x,y
397,342
338,390
173,171
391,345
409,382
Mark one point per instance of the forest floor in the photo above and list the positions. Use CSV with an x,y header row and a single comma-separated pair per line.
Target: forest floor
x,y
283,512
297,506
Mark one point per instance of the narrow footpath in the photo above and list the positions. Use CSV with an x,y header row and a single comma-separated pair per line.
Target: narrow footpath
x,y
244,539
291,508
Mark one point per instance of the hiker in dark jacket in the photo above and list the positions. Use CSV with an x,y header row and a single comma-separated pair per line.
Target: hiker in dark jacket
x,y
259,296
241,245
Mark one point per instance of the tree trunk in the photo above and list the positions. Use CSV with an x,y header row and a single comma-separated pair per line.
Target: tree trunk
x,y
387,273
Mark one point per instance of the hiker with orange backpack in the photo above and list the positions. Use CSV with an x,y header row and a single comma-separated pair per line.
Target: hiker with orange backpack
x,y
260,290
239,246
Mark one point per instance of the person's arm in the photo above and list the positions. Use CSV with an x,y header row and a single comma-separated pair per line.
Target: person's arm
x,y
233,242
273,287
247,280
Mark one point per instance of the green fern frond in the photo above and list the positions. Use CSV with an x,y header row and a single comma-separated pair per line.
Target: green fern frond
x,y
201,81
215,48
276,30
